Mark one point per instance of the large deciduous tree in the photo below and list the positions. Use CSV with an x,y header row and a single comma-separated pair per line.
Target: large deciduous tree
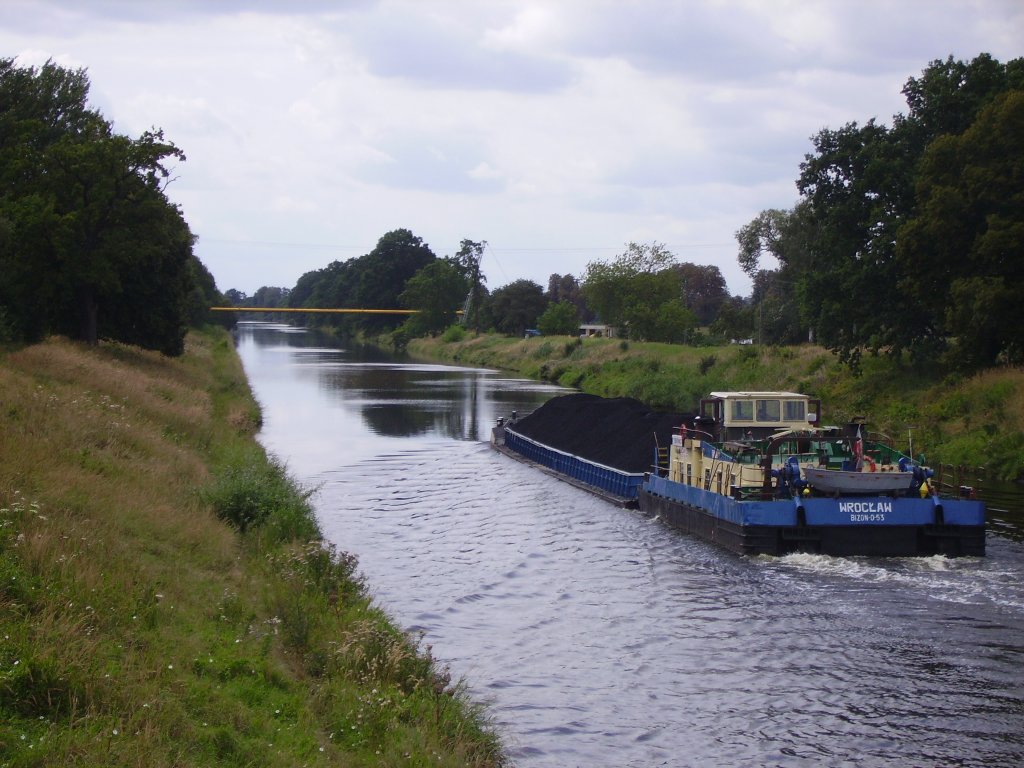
x,y
468,260
559,319
640,291
375,280
704,290
776,311
902,230
962,253
91,246
436,292
384,271
567,288
517,306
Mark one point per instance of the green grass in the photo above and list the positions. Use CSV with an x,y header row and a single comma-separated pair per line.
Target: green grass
x,y
975,421
165,598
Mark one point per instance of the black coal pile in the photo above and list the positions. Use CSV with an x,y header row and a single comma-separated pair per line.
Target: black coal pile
x,y
617,432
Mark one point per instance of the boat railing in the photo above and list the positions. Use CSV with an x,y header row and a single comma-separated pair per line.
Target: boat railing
x,y
961,481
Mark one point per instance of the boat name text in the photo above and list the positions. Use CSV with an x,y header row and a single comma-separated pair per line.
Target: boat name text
x,y
866,511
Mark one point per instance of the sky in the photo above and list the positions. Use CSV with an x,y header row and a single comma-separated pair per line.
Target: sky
x,y
558,131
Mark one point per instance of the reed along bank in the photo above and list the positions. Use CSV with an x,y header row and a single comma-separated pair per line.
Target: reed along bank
x,y
955,419
165,595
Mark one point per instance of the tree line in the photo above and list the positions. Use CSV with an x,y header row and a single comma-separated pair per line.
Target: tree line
x,y
644,293
90,245
905,239
909,238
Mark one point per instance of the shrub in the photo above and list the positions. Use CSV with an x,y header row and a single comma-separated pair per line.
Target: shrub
x,y
561,319
453,333
543,350
249,494
571,347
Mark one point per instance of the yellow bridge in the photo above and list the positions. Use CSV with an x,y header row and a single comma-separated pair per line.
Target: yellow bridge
x,y
312,310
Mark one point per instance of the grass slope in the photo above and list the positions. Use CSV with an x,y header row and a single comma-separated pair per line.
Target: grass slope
x,y
165,599
973,421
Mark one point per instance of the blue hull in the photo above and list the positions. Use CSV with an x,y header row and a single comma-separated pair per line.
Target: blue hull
x,y
624,486
879,526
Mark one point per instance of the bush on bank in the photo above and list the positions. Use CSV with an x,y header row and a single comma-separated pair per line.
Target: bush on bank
x,y
165,598
972,421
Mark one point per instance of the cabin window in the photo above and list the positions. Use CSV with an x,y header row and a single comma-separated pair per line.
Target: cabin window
x,y
742,410
769,410
795,410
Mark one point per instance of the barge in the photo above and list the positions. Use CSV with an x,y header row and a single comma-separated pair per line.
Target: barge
x,y
754,473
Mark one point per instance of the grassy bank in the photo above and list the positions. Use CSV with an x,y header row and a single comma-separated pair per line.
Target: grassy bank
x,y
164,596
974,421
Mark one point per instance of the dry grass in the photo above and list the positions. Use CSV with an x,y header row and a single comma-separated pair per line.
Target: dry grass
x,y
137,628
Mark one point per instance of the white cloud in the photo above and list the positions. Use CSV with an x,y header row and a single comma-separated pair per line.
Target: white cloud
x,y
556,131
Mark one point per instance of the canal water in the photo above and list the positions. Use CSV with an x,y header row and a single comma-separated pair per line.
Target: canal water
x,y
600,637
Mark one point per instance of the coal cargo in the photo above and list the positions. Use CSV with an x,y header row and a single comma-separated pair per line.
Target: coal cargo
x,y
617,432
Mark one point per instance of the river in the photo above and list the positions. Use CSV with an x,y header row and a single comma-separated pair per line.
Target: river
x,y
600,637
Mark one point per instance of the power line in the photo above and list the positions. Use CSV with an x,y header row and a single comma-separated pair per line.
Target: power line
x,y
531,249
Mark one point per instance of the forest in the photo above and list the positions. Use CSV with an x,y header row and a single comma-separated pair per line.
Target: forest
x,y
904,240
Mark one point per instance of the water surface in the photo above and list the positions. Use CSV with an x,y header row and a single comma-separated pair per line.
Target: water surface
x,y
601,637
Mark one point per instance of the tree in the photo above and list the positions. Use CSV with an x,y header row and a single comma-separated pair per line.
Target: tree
x,y
948,96
467,260
517,306
436,291
776,312
383,273
566,288
704,290
634,290
855,188
373,281
234,297
559,319
735,320
270,296
204,294
86,224
961,253
860,188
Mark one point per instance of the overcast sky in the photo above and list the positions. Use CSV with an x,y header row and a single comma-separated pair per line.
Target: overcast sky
x,y
556,130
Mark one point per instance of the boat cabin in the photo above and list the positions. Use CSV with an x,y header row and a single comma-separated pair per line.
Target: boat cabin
x,y
728,416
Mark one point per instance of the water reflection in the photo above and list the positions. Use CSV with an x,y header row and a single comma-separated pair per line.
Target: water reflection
x,y
363,397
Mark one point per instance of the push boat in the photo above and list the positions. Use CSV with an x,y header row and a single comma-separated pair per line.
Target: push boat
x,y
754,473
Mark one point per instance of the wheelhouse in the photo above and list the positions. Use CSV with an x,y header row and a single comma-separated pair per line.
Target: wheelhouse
x,y
756,415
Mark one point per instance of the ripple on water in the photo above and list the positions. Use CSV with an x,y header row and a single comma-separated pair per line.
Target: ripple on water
x,y
601,637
